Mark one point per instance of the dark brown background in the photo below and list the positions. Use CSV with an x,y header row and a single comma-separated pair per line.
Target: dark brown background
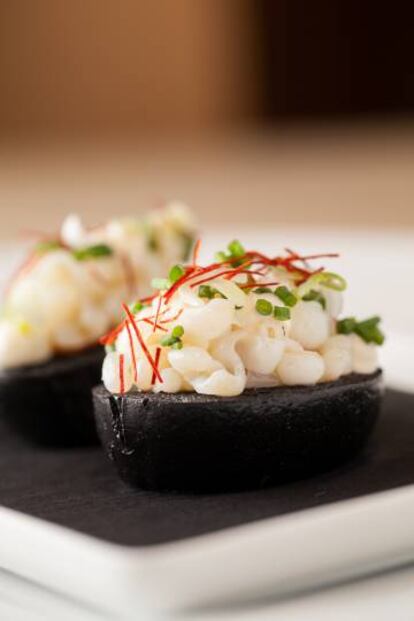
x,y
338,57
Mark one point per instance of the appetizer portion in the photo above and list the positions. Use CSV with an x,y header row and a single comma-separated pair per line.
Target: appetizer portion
x,y
69,290
238,373
245,321
66,294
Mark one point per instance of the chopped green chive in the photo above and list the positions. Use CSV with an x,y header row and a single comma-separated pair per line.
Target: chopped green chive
x,y
263,290
175,273
109,348
135,308
282,313
160,283
264,307
92,252
325,279
346,326
205,291
331,280
368,329
167,341
177,332
236,249
315,296
174,339
286,296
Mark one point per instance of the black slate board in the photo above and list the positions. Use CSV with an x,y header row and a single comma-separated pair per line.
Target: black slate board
x,y
79,489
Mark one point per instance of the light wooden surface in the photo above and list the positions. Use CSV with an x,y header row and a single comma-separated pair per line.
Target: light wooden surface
x,y
350,177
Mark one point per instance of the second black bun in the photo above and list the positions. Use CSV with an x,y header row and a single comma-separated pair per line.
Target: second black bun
x,y
193,442
51,403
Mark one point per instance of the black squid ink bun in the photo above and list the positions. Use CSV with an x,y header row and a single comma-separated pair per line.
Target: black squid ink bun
x,y
192,442
51,403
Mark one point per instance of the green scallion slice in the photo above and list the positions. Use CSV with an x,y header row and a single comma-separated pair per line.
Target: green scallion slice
x,y
236,249
136,307
175,273
282,313
173,339
315,296
330,280
205,291
168,341
286,296
264,307
92,252
369,331
177,332
263,290
346,326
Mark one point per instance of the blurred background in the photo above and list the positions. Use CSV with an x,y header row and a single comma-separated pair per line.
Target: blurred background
x,y
264,112
280,122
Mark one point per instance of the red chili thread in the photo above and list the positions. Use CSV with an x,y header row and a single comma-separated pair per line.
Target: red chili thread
x,y
132,348
259,284
178,283
157,360
151,323
311,257
109,338
241,269
170,319
141,341
247,273
232,272
148,299
191,272
157,314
